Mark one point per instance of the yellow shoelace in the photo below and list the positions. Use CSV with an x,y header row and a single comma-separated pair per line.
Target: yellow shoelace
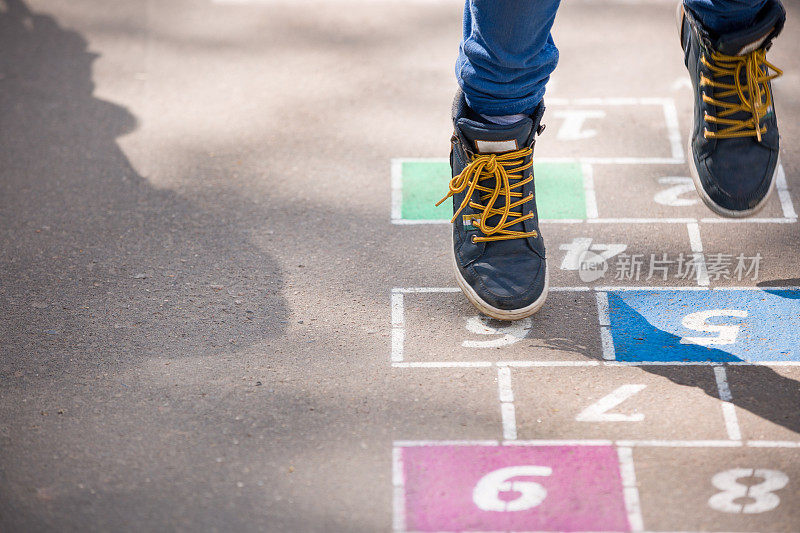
x,y
504,168
755,98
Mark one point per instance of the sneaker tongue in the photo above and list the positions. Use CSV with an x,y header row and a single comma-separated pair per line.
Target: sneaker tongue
x,y
767,26
495,138
739,45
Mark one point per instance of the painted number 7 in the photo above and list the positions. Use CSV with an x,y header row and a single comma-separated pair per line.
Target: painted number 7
x,y
486,493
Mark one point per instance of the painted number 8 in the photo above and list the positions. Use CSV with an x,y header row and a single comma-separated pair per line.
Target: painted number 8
x,y
762,495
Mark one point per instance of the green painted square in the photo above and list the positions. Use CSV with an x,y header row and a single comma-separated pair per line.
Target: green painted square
x,y
559,190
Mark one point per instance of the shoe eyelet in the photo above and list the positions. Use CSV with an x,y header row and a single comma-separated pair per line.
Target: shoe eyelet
x,y
473,239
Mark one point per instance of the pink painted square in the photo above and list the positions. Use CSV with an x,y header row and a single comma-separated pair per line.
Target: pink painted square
x,y
513,488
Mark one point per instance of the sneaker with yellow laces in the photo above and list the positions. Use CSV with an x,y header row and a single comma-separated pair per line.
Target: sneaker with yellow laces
x,y
733,147
498,252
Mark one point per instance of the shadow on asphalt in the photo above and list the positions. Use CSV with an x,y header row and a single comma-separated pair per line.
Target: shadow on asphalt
x,y
755,388
94,257
101,273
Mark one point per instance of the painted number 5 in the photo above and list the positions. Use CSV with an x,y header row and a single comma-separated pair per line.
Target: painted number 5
x,y
699,322
762,496
486,494
513,332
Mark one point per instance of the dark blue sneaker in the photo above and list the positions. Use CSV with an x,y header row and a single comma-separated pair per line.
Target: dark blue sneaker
x,y
733,147
498,252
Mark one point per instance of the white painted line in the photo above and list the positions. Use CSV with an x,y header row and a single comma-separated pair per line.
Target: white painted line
x,y
673,129
507,410
398,340
680,443
399,491
602,308
783,194
750,288
650,100
403,222
546,221
694,237
562,442
702,363
427,290
398,314
642,221
696,244
417,290
609,352
605,442
748,220
443,221
609,288
590,160
398,327
630,489
661,363
614,160
397,189
763,363
728,409
588,190
731,421
537,364
722,385
509,421
444,364
773,444
529,364
505,392
415,443
422,159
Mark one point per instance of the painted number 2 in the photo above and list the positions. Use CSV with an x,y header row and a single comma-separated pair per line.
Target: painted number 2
x,y
762,495
486,494
672,195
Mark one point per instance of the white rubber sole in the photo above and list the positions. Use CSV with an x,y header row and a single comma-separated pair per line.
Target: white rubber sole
x,y
501,314
711,204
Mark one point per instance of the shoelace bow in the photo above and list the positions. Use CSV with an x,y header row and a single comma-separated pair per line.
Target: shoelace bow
x,y
755,98
505,169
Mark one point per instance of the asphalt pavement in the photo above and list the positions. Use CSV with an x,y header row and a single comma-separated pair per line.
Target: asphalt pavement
x,y
228,305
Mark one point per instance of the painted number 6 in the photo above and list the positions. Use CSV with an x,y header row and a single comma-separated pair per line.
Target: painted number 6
x,y
762,494
486,494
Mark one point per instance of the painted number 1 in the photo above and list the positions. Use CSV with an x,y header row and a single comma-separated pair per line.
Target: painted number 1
x,y
486,494
735,495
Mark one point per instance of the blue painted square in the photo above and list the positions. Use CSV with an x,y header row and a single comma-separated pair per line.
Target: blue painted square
x,y
705,325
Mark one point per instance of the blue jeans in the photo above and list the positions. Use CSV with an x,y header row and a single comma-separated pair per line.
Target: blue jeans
x,y
507,53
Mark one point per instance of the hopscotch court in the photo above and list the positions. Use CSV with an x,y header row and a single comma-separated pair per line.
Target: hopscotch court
x,y
658,366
